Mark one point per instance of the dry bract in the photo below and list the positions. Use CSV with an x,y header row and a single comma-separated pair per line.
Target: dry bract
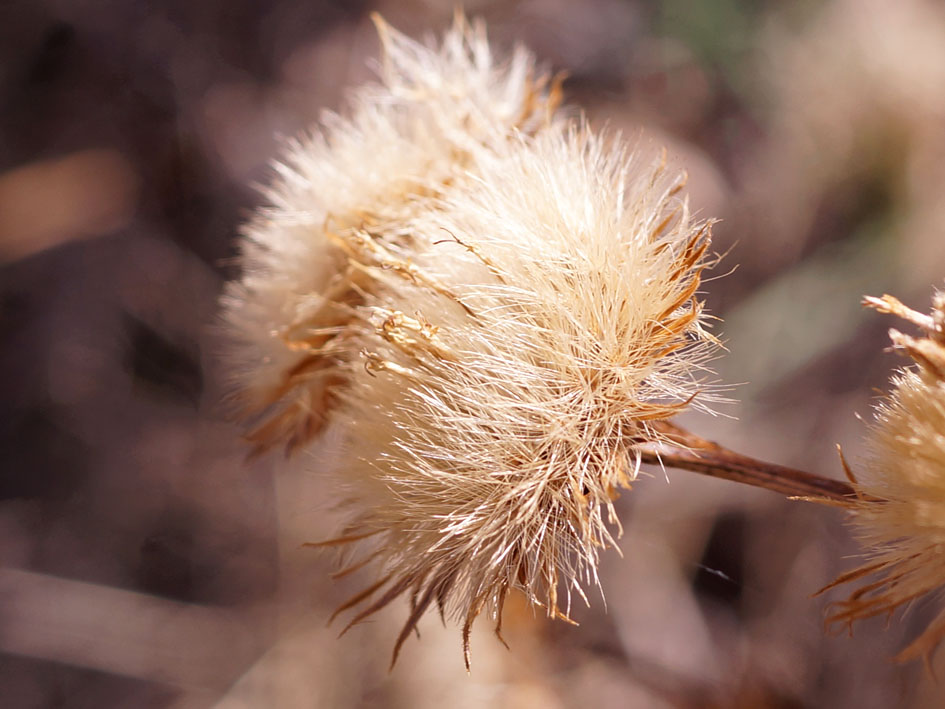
x,y
493,306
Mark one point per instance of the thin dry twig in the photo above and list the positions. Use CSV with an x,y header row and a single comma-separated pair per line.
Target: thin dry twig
x,y
687,451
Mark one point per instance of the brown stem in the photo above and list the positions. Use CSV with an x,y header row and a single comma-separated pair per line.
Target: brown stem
x,y
699,455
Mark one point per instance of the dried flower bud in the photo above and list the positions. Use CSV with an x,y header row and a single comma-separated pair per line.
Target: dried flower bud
x,y
900,516
493,329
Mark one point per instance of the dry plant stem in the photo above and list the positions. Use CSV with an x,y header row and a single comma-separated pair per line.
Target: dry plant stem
x,y
699,455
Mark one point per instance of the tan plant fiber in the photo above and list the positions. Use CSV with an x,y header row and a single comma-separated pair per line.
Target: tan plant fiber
x,y
900,516
500,342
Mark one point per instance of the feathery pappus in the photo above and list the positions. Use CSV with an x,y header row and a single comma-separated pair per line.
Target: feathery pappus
x,y
493,304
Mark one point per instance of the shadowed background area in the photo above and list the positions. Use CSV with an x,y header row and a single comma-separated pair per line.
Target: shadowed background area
x,y
145,563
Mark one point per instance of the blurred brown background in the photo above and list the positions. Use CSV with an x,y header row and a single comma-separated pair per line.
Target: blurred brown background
x,y
143,563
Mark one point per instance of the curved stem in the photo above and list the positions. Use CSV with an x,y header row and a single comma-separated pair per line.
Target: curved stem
x,y
688,451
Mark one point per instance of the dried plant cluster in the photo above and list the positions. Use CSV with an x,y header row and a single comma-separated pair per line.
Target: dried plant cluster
x,y
900,516
492,304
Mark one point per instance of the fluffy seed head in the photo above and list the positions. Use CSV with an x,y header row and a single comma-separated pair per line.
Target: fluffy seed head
x,y
493,330
900,516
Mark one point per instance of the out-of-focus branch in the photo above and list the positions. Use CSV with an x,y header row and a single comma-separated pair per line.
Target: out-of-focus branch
x,y
80,195
122,632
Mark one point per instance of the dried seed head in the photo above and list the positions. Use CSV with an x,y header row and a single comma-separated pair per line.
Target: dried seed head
x,y
493,340
900,517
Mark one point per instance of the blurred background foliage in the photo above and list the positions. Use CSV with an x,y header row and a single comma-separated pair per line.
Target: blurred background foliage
x,y
144,563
